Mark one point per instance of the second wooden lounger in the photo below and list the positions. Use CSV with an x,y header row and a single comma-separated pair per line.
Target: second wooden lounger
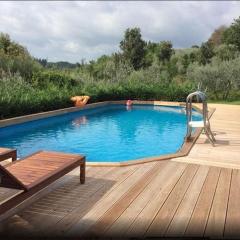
x,y
6,153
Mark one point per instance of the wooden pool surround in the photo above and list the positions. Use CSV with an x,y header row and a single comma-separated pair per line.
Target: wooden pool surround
x,y
184,151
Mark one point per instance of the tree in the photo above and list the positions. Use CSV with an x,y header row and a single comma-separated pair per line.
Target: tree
x,y
232,34
4,42
193,56
42,61
217,36
133,47
219,77
15,59
206,53
150,56
185,62
165,51
226,52
11,48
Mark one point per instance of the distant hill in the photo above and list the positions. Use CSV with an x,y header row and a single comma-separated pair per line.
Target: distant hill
x,y
62,64
57,65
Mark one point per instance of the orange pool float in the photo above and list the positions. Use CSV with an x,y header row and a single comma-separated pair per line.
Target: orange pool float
x,y
80,101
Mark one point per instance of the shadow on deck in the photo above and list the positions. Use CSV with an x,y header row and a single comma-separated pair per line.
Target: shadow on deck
x,y
69,198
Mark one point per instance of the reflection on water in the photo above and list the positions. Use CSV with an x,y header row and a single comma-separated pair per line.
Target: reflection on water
x,y
128,107
180,110
167,109
80,121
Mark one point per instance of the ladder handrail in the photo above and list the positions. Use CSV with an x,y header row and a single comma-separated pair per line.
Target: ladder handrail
x,y
200,96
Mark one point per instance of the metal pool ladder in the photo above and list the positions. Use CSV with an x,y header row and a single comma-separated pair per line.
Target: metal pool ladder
x,y
205,123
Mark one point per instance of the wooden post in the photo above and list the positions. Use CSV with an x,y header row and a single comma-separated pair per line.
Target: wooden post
x,y
14,155
82,171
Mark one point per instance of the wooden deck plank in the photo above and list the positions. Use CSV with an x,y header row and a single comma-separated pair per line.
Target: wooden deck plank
x,y
163,218
144,219
232,225
122,224
8,193
216,221
118,175
66,193
198,221
185,210
120,206
97,212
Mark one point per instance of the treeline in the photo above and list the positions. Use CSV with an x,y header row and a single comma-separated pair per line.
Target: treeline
x,y
140,70
57,65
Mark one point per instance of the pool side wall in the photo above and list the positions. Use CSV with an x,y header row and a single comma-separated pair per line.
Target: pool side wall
x,y
185,149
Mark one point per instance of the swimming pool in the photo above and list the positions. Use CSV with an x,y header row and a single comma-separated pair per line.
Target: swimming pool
x,y
112,133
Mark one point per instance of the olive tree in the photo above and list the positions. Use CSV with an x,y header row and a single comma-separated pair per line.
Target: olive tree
x,y
219,77
226,52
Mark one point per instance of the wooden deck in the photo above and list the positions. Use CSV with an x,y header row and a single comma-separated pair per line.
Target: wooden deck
x,y
165,198
225,122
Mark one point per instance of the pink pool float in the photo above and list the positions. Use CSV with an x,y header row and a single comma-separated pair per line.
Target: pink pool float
x,y
129,103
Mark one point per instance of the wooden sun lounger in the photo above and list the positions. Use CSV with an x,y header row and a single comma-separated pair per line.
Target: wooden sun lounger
x,y
6,153
36,172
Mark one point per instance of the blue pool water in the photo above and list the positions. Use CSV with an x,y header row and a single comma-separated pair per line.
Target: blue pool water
x,y
110,133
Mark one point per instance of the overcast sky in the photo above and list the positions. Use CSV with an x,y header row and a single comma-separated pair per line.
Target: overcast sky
x,y
71,31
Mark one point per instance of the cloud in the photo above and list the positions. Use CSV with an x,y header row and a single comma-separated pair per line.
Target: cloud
x,y
72,31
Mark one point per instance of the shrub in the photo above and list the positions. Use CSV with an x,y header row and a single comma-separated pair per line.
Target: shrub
x,y
54,78
219,77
